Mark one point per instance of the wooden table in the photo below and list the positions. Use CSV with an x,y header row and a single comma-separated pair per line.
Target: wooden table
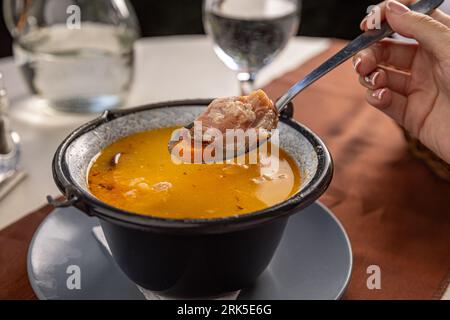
x,y
14,241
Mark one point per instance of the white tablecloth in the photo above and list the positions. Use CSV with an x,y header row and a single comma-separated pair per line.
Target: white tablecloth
x,y
167,68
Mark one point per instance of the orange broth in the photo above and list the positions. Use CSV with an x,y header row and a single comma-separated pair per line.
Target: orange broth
x,y
136,173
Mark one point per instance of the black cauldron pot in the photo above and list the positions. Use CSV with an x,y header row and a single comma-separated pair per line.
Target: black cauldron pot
x,y
190,258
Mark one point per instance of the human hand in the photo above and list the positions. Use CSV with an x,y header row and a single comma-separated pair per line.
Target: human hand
x,y
410,82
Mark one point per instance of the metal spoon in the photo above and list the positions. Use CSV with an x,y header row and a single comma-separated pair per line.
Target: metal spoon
x,y
361,42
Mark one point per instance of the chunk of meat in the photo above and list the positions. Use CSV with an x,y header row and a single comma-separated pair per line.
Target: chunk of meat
x,y
253,111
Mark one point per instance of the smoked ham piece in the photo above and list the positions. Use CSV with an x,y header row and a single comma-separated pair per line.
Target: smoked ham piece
x,y
244,112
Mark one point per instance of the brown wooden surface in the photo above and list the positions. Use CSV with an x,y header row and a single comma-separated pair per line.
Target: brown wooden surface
x,y
14,241
396,212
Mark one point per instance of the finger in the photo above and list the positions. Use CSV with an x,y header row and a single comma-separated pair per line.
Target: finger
x,y
441,17
390,102
369,21
384,78
379,9
419,110
430,33
389,52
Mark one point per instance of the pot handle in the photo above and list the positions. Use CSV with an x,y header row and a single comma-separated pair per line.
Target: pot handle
x,y
71,196
288,111
72,199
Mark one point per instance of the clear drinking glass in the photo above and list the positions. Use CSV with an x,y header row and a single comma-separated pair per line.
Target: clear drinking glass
x,y
249,34
77,55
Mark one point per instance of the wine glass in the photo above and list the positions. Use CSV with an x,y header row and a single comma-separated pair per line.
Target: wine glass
x,y
249,34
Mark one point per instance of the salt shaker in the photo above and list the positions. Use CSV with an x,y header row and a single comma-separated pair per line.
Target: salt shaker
x,y
10,173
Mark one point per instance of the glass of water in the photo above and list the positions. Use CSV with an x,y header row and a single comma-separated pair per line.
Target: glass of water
x,y
77,55
249,34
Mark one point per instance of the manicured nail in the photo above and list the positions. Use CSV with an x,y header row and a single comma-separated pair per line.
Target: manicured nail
x,y
378,94
396,7
363,23
356,63
372,79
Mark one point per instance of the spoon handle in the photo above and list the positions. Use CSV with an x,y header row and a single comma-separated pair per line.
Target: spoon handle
x,y
361,42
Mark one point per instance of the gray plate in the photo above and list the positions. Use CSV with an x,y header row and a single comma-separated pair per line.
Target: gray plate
x,y
313,261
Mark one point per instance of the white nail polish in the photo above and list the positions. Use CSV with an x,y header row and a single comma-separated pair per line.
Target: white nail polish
x,y
361,25
356,63
378,94
374,77
371,79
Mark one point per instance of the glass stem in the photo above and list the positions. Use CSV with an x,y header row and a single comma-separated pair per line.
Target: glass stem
x,y
246,82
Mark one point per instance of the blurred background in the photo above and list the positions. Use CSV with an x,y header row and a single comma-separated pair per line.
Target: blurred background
x,y
320,18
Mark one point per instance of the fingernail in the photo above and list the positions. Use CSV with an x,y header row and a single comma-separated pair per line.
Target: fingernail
x,y
372,79
378,94
363,23
396,7
356,63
